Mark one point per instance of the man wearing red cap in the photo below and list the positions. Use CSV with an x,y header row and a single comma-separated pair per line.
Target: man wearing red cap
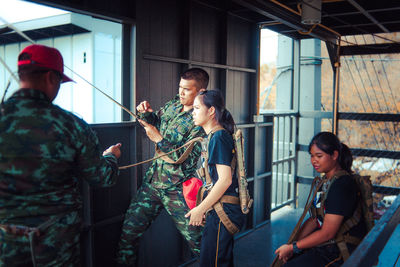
x,y
44,152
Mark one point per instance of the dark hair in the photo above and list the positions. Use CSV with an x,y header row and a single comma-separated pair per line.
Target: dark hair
x,y
199,75
214,98
34,73
328,142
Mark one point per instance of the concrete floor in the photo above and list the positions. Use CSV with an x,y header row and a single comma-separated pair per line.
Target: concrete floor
x,y
256,249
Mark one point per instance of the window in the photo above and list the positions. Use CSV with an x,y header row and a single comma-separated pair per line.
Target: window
x,y
91,49
268,70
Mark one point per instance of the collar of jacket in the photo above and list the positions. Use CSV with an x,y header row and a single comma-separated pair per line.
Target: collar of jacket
x,y
31,94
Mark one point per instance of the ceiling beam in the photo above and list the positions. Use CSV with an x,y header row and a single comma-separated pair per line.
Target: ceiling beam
x,y
279,14
357,26
5,30
391,9
371,49
369,16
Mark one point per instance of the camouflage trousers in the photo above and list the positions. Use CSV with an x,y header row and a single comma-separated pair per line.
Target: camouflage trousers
x,y
144,209
57,246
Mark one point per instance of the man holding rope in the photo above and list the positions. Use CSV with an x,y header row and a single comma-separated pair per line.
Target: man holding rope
x,y
169,128
44,152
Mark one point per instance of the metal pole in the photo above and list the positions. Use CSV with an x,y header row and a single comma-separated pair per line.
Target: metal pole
x,y
336,93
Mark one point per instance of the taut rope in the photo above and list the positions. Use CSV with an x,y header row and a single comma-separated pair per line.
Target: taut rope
x,y
183,157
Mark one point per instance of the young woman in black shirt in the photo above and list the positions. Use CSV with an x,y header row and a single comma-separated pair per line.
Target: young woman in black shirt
x,y
217,243
315,244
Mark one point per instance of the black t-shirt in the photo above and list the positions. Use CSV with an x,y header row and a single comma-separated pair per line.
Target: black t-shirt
x,y
221,150
342,199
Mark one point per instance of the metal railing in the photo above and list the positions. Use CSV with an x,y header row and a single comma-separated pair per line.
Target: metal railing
x,y
284,160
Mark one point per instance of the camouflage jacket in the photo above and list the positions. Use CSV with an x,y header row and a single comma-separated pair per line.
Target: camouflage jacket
x,y
176,127
44,151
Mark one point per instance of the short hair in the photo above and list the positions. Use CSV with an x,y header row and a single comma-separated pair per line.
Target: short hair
x,y
34,73
31,73
199,75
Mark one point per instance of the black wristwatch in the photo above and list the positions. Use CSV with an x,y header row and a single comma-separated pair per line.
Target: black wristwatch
x,y
296,250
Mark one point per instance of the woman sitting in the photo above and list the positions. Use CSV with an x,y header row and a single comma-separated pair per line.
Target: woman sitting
x,y
333,205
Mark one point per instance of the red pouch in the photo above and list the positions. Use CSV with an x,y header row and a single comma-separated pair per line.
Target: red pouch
x,y
190,189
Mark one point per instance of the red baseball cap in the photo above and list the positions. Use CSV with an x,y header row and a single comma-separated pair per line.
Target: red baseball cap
x,y
44,57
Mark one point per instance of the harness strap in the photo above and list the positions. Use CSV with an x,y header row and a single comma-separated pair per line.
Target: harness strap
x,y
218,206
229,199
231,227
341,239
352,239
341,243
352,221
200,195
316,184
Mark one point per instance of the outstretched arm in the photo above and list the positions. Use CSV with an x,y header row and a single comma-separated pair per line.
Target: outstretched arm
x,y
95,167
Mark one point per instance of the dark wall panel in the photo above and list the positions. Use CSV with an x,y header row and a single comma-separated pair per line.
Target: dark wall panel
x,y
159,31
205,34
104,207
240,48
238,95
113,201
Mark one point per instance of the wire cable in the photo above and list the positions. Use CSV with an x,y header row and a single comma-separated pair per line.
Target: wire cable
x,y
374,92
387,125
368,98
362,103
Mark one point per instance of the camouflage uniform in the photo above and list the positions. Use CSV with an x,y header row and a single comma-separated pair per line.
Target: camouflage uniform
x,y
44,151
162,184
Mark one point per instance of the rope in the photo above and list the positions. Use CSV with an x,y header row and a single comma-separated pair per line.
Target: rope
x,y
216,252
197,139
8,69
109,97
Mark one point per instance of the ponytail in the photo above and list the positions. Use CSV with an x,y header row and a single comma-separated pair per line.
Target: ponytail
x,y
227,121
345,158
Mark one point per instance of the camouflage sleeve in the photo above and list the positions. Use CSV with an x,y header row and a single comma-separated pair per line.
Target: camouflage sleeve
x,y
92,166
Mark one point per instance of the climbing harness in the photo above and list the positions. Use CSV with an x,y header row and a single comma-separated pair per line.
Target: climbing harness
x,y
315,186
364,210
244,199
